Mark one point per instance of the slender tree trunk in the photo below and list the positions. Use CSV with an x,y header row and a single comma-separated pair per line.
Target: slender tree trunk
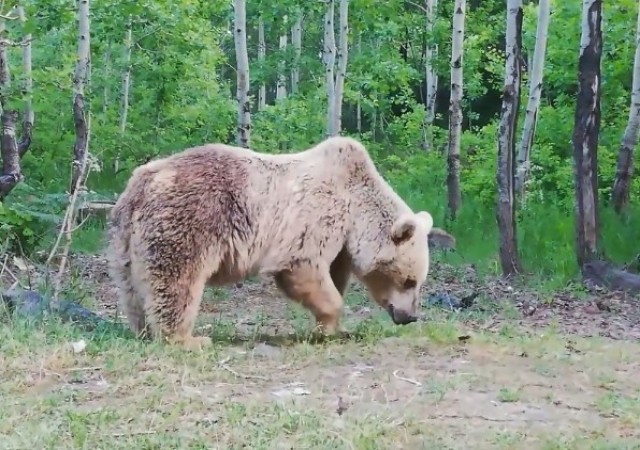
x,y
359,101
281,87
624,171
506,214
262,53
329,58
343,54
11,172
106,94
79,110
455,109
586,132
126,86
296,41
29,115
431,76
535,91
126,78
244,111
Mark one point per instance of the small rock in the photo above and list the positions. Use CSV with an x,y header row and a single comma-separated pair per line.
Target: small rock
x,y
78,346
265,350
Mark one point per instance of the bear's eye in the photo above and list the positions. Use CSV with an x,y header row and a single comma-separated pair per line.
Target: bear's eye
x,y
409,283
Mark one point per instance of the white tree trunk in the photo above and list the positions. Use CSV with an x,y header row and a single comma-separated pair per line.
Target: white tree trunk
x,y
5,70
296,41
329,58
29,115
431,76
455,108
281,87
126,86
343,54
359,101
535,91
126,78
80,113
624,171
262,53
242,58
106,92
506,213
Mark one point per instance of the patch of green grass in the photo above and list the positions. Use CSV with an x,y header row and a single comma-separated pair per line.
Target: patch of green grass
x,y
507,395
415,386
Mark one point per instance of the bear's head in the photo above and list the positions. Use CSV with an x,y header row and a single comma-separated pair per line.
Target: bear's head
x,y
401,267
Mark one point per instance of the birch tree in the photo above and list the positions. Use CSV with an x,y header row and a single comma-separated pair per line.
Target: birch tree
x,y
10,149
335,80
455,108
126,85
242,58
281,86
624,171
80,113
506,215
431,76
586,132
535,91
329,59
262,53
29,115
296,41
11,171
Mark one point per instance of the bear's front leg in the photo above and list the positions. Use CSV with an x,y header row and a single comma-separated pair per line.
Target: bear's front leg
x,y
311,285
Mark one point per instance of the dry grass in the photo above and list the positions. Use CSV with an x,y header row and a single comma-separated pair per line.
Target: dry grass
x,y
391,388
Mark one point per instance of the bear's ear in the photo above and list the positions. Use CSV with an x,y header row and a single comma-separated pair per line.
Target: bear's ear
x,y
403,229
438,238
427,219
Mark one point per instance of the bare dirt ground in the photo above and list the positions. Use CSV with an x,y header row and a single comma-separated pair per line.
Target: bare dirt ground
x,y
519,369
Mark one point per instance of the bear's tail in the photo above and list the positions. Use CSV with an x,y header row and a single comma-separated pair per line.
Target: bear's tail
x,y
119,253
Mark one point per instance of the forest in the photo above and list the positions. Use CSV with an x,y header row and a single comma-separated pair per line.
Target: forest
x,y
514,123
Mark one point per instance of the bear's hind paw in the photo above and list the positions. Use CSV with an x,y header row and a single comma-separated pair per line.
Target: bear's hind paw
x,y
192,343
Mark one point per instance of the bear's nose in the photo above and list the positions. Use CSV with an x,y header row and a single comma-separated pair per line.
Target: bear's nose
x,y
400,317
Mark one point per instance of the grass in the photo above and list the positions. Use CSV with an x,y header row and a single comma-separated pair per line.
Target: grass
x,y
390,387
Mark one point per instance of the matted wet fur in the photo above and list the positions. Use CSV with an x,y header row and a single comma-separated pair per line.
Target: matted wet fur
x,y
216,214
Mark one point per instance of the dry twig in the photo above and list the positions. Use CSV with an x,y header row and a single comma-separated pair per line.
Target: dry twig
x,y
223,365
408,380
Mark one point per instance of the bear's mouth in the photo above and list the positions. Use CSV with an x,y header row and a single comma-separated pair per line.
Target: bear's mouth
x,y
400,317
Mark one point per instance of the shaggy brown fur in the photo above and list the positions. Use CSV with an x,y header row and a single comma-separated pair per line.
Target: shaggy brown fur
x,y
217,214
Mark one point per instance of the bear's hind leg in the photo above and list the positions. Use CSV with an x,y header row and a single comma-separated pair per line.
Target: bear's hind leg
x,y
340,270
128,299
174,307
313,287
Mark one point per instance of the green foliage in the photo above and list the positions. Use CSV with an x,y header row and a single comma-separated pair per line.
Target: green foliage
x,y
183,93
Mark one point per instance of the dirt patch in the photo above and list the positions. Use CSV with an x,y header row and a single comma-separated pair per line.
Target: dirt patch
x,y
584,312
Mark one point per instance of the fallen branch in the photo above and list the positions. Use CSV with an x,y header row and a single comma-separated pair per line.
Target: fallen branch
x,y
488,419
605,274
408,380
223,364
34,306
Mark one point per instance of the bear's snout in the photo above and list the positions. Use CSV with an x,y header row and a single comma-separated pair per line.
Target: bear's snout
x,y
401,317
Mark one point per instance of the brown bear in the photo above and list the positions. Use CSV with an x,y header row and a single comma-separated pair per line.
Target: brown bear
x,y
217,214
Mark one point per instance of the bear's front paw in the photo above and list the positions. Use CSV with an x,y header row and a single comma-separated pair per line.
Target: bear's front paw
x,y
193,343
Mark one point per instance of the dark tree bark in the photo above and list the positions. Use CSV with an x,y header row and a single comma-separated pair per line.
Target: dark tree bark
x,y
586,132
506,213
10,149
624,170
11,173
80,146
